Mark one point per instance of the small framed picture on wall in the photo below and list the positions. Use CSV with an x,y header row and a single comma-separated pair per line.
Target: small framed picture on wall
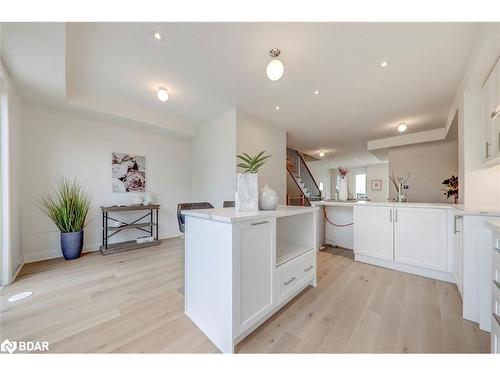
x,y
376,185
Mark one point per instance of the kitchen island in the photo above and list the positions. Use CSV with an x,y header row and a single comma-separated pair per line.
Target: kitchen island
x,y
241,267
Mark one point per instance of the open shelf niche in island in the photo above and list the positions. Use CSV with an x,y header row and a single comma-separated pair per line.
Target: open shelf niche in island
x,y
294,236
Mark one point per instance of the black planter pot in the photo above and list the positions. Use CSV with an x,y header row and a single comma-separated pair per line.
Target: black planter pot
x,y
72,244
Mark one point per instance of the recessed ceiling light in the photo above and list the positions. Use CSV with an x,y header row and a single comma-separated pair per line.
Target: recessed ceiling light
x,y
384,64
316,92
402,127
157,35
162,94
321,154
277,107
275,68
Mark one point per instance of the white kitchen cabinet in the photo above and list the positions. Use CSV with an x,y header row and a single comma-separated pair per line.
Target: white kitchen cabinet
x,y
373,231
458,252
420,237
490,146
254,262
407,239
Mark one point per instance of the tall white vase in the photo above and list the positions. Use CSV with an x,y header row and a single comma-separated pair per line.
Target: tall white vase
x,y
343,193
247,192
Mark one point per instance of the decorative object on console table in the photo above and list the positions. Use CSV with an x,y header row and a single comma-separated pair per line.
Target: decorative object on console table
x,y
129,173
343,192
68,210
400,185
451,189
247,187
150,227
268,199
148,198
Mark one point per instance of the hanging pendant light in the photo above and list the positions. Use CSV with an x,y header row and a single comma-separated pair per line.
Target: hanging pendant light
x,y
275,67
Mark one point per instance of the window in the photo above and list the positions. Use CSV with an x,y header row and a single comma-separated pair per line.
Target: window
x,y
361,184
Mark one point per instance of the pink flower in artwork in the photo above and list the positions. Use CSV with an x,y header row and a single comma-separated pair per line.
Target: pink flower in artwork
x,y
135,181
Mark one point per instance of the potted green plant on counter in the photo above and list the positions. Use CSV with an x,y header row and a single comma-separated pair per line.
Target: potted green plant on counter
x,y
247,187
68,208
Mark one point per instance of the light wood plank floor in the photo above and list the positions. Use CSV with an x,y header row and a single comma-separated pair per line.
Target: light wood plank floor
x,y
133,302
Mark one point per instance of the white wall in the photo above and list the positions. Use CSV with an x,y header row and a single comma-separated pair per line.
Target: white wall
x,y
11,246
429,164
378,172
213,176
58,142
253,135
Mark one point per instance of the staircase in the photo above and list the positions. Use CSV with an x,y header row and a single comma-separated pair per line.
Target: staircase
x,y
298,170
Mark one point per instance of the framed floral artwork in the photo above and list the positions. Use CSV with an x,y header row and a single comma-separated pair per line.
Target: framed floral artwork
x,y
129,173
376,185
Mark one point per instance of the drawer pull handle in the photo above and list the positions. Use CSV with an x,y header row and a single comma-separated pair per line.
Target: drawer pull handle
x,y
260,223
308,268
497,284
285,283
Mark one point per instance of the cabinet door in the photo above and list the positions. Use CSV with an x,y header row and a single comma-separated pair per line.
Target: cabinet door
x,y
373,234
458,248
420,237
489,144
495,77
255,269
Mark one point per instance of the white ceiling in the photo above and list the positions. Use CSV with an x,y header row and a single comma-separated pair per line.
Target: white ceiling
x,y
209,68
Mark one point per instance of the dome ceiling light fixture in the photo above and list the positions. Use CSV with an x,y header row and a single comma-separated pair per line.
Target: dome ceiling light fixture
x,y
275,67
162,94
402,127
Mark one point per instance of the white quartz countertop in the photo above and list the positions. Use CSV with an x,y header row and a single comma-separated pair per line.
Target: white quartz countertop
x,y
230,215
387,204
460,209
494,226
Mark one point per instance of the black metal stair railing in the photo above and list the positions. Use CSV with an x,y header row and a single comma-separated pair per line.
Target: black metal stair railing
x,y
302,176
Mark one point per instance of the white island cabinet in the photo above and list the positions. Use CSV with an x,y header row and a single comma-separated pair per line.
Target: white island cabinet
x,y
241,267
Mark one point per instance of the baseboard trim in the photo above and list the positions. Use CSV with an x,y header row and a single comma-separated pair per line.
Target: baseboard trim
x,y
431,274
87,249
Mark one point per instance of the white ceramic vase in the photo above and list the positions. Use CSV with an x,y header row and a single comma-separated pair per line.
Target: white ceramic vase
x,y
268,198
148,198
247,192
343,193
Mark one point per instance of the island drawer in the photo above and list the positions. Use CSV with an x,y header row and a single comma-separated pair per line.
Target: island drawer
x,y
295,274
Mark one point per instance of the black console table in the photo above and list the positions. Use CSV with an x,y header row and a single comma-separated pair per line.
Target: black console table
x,y
150,227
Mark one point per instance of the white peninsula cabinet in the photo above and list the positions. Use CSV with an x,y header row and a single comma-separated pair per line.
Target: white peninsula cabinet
x,y
241,267
408,239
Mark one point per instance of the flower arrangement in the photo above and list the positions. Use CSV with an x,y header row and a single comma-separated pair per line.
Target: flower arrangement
x,y
399,181
343,171
451,187
400,185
